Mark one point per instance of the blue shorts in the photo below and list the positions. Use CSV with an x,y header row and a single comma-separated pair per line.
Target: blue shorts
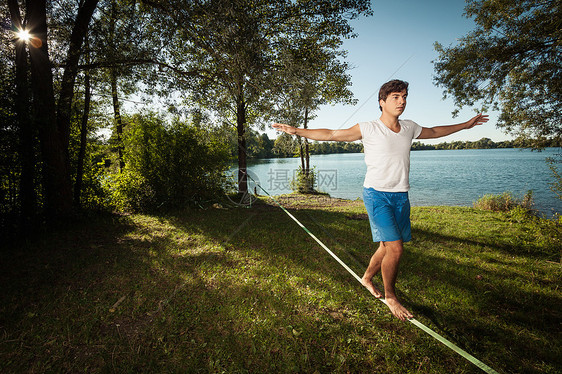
x,y
389,215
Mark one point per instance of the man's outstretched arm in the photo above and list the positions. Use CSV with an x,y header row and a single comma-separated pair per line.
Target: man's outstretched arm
x,y
345,135
440,131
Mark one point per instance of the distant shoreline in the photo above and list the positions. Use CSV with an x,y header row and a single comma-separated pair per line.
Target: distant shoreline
x,y
326,148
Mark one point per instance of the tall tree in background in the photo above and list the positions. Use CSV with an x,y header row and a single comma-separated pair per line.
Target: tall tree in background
x,y
513,61
229,50
119,52
313,74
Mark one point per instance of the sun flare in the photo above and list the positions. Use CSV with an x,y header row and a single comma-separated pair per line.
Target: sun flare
x,y
24,35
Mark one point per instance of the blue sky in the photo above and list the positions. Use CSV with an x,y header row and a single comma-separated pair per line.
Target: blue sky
x,y
397,33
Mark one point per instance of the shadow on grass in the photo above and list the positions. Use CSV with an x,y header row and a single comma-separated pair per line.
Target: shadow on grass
x,y
249,290
499,312
513,324
142,295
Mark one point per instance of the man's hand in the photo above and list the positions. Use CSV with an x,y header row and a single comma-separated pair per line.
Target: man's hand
x,y
476,120
440,131
285,128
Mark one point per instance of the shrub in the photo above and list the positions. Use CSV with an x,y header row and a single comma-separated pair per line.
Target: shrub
x,y
505,202
168,165
129,191
93,194
303,183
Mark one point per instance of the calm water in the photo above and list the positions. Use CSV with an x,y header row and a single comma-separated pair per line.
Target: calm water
x,y
444,177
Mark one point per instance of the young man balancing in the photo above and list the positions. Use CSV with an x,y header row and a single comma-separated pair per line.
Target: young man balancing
x,y
387,142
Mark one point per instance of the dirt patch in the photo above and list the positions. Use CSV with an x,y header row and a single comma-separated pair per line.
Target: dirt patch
x,y
300,201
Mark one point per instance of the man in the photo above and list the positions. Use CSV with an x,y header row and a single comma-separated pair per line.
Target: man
x,y
387,142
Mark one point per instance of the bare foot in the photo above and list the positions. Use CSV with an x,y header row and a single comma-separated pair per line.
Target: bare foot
x,y
398,310
371,287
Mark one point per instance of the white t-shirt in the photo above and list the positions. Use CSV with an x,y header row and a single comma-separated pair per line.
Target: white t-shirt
x,y
387,154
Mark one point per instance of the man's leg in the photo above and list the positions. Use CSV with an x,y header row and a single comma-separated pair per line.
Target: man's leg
x,y
373,268
389,217
389,270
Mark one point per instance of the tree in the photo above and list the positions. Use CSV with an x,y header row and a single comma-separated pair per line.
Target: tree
x,y
313,75
284,145
228,51
83,134
121,52
27,195
11,164
511,60
49,116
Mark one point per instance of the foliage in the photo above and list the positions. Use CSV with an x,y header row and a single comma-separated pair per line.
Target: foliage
x,y
485,143
313,74
46,67
505,202
285,145
511,60
9,152
221,55
304,182
321,148
94,196
129,191
260,146
231,61
168,165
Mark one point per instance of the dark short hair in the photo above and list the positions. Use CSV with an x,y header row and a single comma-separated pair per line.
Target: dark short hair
x,y
394,85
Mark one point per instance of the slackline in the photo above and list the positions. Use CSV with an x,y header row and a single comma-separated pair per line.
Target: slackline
x,y
415,322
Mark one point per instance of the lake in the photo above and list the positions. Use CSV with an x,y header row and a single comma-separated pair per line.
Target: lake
x,y
442,177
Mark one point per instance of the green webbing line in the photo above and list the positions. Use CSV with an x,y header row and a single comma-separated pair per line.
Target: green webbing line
x,y
453,347
415,322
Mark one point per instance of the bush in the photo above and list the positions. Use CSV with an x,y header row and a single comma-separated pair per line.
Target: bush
x,y
505,202
303,183
129,192
93,195
168,165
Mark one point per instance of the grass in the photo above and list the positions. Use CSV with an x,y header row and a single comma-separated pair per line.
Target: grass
x,y
245,290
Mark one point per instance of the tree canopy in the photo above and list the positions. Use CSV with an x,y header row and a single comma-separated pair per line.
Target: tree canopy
x,y
511,62
229,53
223,58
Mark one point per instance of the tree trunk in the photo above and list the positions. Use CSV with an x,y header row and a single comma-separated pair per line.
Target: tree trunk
x,y
301,153
27,196
306,150
118,120
83,136
79,31
241,130
54,122
57,184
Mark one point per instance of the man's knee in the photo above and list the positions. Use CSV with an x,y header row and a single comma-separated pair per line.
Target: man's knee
x,y
395,247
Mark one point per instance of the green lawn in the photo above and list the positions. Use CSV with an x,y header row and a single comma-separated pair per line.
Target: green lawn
x,y
236,290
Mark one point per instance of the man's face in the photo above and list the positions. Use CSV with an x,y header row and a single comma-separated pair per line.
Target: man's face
x,y
395,103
